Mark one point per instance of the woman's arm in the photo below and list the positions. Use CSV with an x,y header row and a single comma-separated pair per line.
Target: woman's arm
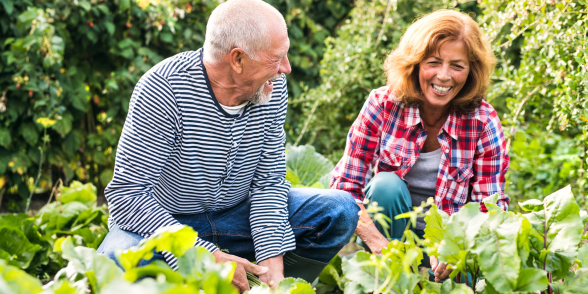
x,y
491,162
368,232
354,170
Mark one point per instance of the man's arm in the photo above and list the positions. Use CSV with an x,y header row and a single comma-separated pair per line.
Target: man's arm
x,y
147,140
270,228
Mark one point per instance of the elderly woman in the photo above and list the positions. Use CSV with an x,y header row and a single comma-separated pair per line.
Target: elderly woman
x,y
429,132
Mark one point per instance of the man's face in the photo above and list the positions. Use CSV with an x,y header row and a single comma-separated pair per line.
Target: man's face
x,y
272,63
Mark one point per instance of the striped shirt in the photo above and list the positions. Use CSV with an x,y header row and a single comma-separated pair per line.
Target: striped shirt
x,y
181,153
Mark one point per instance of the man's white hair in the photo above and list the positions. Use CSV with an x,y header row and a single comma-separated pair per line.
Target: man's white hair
x,y
238,24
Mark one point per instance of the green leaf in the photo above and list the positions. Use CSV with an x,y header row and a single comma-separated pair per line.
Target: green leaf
x,y
532,205
63,125
175,239
124,5
436,220
293,286
197,263
532,280
332,274
582,258
574,283
8,6
490,202
5,138
450,287
154,269
109,27
84,4
556,232
56,217
499,259
106,176
98,268
16,281
15,243
460,231
84,193
303,163
29,132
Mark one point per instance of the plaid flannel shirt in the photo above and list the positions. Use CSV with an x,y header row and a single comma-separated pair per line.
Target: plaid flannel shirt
x,y
472,166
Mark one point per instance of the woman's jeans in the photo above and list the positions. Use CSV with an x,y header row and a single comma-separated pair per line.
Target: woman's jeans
x,y
322,220
391,193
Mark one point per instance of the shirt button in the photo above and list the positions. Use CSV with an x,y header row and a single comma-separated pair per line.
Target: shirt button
x,y
234,144
447,150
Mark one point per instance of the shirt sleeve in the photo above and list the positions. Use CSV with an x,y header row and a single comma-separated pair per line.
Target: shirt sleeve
x,y
354,169
147,139
270,227
490,164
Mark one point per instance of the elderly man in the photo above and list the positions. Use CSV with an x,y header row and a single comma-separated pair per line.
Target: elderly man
x,y
203,145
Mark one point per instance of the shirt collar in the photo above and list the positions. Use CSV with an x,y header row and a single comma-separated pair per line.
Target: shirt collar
x,y
412,118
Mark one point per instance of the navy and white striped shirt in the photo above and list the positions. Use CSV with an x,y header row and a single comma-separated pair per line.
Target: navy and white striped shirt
x,y
181,153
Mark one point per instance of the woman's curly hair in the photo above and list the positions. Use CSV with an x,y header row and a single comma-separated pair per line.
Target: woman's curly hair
x,y
422,39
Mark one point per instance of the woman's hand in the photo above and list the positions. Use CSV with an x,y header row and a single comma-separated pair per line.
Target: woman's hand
x,y
440,269
369,234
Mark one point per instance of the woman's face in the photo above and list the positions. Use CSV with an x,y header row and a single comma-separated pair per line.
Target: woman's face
x,y
444,73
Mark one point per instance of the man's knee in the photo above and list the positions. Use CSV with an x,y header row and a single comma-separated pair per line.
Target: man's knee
x,y
118,240
342,207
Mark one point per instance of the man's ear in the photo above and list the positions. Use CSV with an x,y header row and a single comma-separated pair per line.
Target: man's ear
x,y
237,59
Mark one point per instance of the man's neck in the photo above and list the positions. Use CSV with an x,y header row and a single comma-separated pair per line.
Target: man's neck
x,y
224,87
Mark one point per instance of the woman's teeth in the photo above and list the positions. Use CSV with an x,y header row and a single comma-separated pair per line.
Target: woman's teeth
x,y
441,90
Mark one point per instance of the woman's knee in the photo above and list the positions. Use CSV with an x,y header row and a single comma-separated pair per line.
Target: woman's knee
x,y
386,188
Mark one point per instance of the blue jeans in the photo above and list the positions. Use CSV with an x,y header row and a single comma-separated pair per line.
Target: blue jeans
x,y
322,220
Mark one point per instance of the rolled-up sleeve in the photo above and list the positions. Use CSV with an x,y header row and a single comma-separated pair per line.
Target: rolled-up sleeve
x,y
354,169
491,162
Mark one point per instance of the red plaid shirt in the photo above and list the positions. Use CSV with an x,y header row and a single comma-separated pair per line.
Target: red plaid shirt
x,y
474,158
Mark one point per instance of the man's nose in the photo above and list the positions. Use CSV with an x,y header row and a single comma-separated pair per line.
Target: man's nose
x,y
285,65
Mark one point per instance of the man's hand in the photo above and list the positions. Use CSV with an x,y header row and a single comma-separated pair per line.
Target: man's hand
x,y
243,265
275,274
440,269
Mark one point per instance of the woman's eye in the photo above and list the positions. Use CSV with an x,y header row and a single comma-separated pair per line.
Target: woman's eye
x,y
458,66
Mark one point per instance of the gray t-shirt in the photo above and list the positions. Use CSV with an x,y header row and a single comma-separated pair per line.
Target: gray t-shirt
x,y
422,180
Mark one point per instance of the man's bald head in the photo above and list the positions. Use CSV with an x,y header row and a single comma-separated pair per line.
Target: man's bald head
x,y
245,24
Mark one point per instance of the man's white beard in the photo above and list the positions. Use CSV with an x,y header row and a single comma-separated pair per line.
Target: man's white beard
x,y
260,96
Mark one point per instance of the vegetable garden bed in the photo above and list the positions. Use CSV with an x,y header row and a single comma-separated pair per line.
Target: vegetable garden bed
x,y
503,252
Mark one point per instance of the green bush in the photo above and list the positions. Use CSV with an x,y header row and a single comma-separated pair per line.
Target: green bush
x,y
68,68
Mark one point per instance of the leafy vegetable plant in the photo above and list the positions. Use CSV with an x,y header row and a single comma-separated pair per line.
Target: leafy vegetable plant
x,y
503,252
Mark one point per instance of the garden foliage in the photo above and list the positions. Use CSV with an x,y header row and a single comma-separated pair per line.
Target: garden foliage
x,y
502,252
29,242
68,68
542,78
